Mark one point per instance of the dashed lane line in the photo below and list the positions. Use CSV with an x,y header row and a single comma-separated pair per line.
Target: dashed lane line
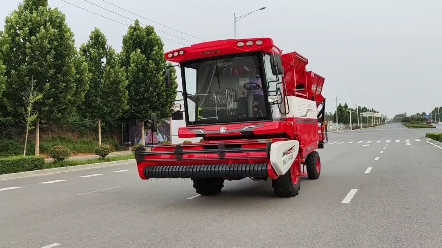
x,y
92,175
98,190
382,152
54,181
349,196
9,188
120,171
193,197
368,170
51,245
376,158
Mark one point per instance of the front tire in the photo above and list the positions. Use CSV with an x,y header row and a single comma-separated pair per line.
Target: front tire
x,y
287,185
208,186
313,164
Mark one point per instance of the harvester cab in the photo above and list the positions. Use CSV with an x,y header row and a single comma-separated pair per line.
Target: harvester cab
x,y
256,111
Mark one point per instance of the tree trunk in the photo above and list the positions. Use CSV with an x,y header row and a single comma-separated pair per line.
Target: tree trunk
x,y
143,139
99,132
26,139
37,137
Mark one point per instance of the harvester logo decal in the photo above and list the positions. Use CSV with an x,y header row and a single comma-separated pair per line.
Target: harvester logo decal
x,y
222,129
288,151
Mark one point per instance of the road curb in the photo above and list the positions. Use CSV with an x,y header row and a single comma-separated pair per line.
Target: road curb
x,y
51,171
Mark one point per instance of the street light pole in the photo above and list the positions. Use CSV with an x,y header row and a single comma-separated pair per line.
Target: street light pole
x,y
237,18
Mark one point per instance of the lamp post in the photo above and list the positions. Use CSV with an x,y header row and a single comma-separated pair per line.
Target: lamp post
x,y
237,18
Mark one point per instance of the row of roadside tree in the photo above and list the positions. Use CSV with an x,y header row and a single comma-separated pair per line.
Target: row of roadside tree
x,y
45,79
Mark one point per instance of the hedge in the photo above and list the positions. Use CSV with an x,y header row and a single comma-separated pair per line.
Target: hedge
x,y
20,164
14,148
418,125
434,136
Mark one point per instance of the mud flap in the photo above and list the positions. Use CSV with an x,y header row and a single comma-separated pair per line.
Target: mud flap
x,y
283,154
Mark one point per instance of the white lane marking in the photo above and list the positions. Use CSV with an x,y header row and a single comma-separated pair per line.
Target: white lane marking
x,y
376,158
368,170
92,175
382,151
193,197
417,140
9,188
55,181
408,143
51,245
351,142
385,147
378,141
85,193
407,140
120,171
388,141
366,145
350,196
398,140
360,142
440,147
368,142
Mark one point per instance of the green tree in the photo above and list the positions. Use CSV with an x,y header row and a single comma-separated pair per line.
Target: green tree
x,y
107,96
143,57
2,78
39,46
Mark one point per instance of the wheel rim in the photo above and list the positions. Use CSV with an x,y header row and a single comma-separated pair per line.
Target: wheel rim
x,y
318,165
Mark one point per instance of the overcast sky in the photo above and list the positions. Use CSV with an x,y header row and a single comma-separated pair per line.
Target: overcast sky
x,y
386,54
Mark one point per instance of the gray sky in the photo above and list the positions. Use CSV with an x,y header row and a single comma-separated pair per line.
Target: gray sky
x,y
386,54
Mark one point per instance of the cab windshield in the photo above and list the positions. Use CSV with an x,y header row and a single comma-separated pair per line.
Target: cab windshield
x,y
224,89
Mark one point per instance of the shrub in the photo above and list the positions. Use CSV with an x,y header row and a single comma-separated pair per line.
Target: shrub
x,y
59,153
418,125
165,142
134,148
187,142
103,150
434,136
20,164
10,148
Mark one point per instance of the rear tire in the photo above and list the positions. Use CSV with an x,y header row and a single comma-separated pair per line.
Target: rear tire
x,y
285,186
208,186
313,164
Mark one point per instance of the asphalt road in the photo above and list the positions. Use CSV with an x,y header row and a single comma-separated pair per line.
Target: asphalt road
x,y
383,193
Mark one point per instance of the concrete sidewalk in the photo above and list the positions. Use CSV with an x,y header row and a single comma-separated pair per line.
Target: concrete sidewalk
x,y
87,157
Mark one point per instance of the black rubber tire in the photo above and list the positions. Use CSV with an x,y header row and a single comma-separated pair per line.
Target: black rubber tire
x,y
283,186
208,186
310,163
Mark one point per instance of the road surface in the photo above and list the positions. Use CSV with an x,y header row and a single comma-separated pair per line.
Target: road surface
x,y
379,187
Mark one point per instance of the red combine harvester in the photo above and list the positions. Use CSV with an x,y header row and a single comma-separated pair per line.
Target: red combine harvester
x,y
258,112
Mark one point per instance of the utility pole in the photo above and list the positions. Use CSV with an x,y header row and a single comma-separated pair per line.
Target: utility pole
x,y
438,113
357,112
351,124
337,121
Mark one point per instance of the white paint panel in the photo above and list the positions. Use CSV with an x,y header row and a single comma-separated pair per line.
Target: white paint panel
x,y
301,108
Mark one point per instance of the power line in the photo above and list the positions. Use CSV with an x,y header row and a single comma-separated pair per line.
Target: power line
x,y
113,12
117,21
151,20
